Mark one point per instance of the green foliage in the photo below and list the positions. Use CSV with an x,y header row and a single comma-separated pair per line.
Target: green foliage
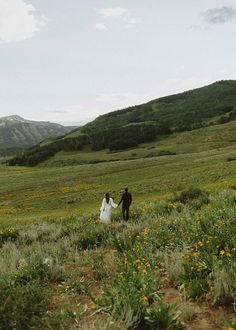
x,y
93,236
196,287
38,270
163,316
22,306
8,234
231,325
122,144
38,153
191,194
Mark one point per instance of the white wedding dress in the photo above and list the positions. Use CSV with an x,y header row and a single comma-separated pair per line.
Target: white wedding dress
x,y
105,215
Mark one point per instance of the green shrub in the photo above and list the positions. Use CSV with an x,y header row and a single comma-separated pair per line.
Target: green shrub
x,y
8,234
94,236
22,306
163,316
190,194
224,283
196,287
41,271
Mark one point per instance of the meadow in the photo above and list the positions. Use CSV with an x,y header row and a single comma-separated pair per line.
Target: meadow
x,y
172,266
49,191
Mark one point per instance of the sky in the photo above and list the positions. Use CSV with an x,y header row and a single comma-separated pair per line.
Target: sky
x,y
69,61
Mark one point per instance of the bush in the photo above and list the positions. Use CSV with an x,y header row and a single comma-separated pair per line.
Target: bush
x,y
93,236
122,144
22,306
190,194
40,271
8,234
164,317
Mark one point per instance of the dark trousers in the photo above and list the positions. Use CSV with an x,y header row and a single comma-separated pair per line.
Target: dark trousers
x,y
125,212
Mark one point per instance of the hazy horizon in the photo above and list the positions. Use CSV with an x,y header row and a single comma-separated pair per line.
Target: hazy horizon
x,y
70,64
80,123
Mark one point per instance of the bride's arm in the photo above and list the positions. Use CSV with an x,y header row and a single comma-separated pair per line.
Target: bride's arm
x,y
113,204
103,205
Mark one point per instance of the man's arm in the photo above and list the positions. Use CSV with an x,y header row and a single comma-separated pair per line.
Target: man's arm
x,y
120,200
130,199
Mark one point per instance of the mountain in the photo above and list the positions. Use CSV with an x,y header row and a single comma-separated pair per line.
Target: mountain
x,y
206,106
17,132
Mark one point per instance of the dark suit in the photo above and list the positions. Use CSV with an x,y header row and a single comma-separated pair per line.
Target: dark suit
x,y
126,201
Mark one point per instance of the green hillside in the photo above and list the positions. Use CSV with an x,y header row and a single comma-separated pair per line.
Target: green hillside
x,y
185,111
128,128
198,140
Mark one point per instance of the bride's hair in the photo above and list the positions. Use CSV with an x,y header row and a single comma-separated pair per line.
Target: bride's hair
x,y
107,196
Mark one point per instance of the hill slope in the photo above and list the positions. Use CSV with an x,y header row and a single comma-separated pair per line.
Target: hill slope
x,y
119,130
185,111
17,132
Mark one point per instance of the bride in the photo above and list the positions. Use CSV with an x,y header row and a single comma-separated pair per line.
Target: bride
x,y
107,204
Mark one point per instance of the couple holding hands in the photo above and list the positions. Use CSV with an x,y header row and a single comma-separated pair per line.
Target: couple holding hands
x,y
108,204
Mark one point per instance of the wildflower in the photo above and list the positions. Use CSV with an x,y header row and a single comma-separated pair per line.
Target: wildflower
x,y
222,252
93,306
145,298
200,243
138,261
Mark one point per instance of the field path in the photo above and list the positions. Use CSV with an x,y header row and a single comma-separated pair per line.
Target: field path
x,y
206,317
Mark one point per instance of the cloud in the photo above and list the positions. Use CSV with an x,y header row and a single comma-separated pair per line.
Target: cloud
x,y
219,15
18,21
132,22
122,100
101,27
113,12
123,15
59,112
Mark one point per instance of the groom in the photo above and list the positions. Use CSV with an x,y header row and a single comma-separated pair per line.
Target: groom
x,y
126,201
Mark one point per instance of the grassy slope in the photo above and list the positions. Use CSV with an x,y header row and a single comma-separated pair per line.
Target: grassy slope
x,y
203,105
203,139
31,193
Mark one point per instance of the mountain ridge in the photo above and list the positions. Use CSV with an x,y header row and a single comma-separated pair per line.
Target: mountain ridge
x,y
17,132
